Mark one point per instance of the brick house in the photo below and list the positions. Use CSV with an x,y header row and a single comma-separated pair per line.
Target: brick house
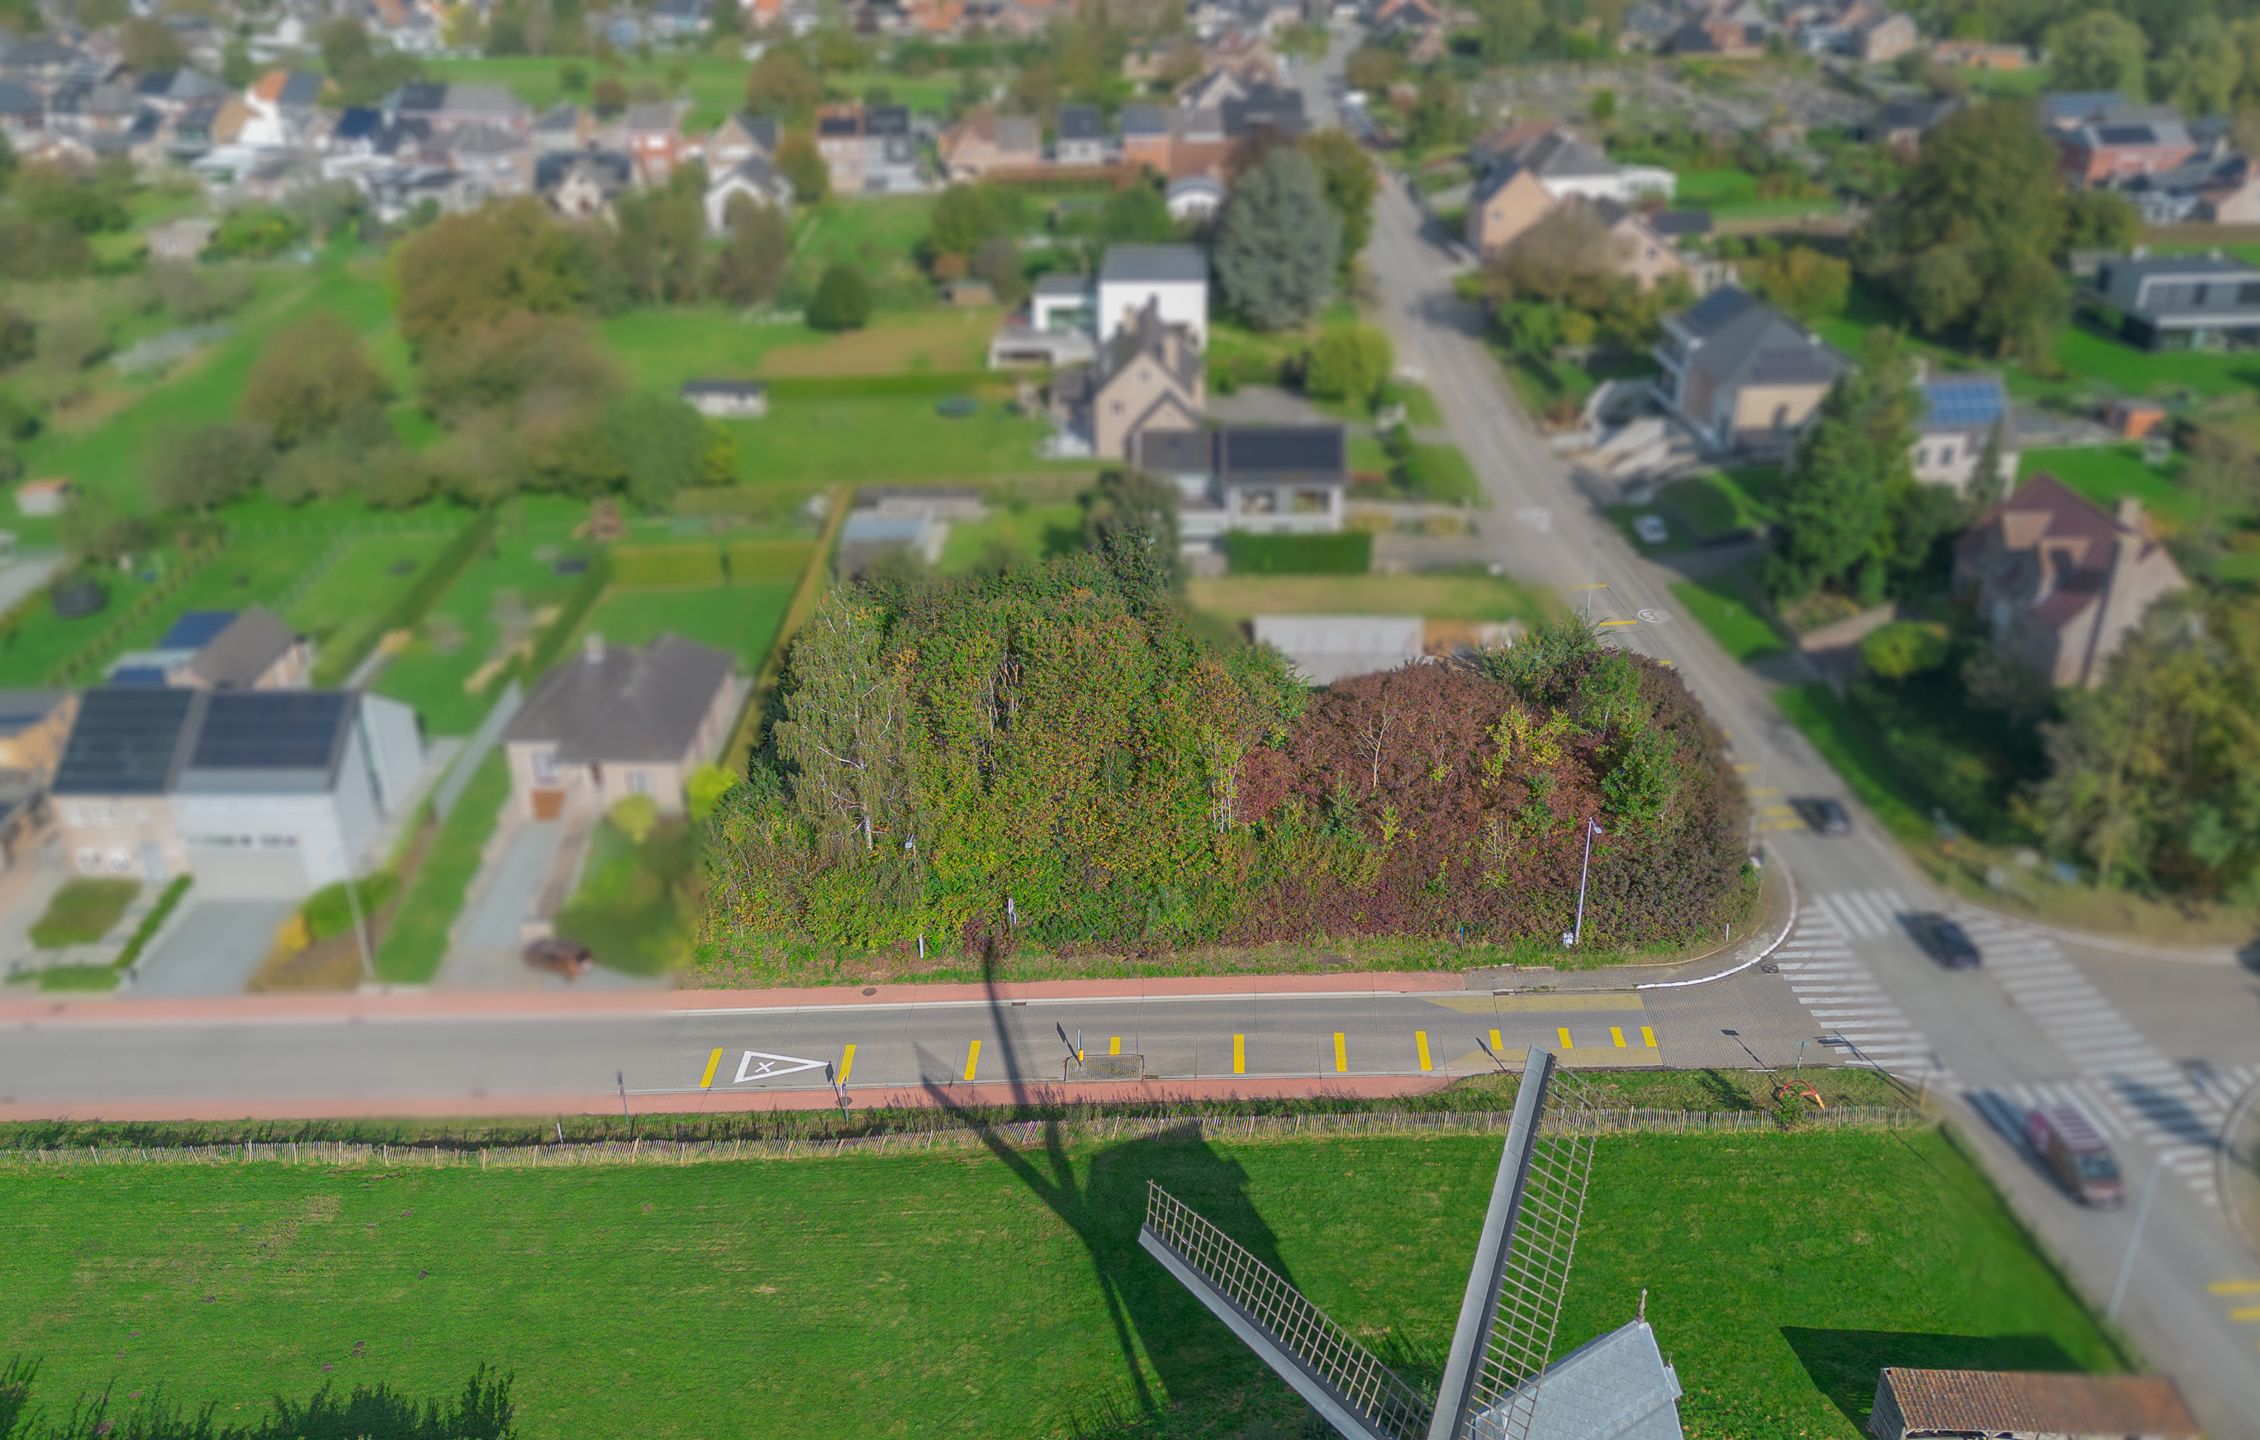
x,y
2059,582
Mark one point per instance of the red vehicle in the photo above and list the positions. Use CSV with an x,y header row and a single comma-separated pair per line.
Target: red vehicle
x,y
2062,1139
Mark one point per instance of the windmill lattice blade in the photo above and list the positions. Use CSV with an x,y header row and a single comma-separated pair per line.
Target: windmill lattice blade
x,y
1536,1271
1356,1394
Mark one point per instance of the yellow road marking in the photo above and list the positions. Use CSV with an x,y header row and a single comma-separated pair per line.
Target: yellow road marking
x,y
1341,1054
1647,1037
1114,1044
847,1063
1614,624
1744,767
1496,1047
1239,1054
2245,1315
713,1062
1759,792
972,1058
1420,1043
1594,585
1504,1004
2235,1287
1567,1043
1616,1037
1778,808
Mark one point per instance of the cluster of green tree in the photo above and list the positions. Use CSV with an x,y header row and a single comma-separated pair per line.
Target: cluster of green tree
x,y
2203,55
2154,777
1854,520
1290,231
1508,31
48,213
483,1410
1062,756
1973,242
361,71
1554,289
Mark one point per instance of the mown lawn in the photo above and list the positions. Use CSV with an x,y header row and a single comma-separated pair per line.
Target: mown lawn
x,y
1469,595
714,84
1722,505
1724,606
82,912
742,619
919,1295
461,639
342,608
878,235
629,909
1023,532
2108,474
807,442
661,348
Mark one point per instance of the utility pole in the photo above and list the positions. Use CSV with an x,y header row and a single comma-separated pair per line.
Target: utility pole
x,y
360,927
1577,931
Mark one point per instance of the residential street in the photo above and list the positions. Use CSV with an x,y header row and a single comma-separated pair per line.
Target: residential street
x,y
2030,1027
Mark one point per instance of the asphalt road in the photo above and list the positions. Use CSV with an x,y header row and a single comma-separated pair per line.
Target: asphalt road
x,y
2156,1056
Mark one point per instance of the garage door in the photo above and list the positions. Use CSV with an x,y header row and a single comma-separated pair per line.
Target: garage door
x,y
248,874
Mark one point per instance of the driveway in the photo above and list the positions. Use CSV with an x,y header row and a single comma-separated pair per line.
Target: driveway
x,y
214,949
485,955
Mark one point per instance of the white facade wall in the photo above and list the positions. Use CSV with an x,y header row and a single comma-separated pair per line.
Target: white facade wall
x,y
1183,302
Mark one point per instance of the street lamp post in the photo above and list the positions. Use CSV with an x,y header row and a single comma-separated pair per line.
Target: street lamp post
x,y
2134,1241
1577,929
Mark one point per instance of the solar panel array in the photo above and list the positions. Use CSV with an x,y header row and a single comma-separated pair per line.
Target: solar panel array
x,y
124,741
194,630
1963,402
270,730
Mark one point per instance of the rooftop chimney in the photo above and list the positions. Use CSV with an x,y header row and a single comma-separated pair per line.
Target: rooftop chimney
x,y
592,648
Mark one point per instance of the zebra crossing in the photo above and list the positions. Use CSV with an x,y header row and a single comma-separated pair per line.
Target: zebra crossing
x,y
2126,1086
1864,1025
2129,1090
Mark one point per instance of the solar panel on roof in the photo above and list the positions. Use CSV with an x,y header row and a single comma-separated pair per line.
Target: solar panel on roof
x,y
1963,402
194,630
124,740
2125,135
269,730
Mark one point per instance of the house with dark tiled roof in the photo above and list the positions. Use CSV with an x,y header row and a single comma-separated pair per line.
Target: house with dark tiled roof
x,y
2179,302
2022,1405
2059,582
1148,376
2117,146
1745,377
1270,479
621,720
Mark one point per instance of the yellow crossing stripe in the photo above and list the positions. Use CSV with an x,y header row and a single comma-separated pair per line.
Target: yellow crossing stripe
x,y
1420,1043
972,1059
1647,1037
847,1063
1341,1054
1616,1036
1563,1032
713,1063
1239,1054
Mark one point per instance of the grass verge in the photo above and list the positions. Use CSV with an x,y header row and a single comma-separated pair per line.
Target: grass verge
x,y
413,947
82,912
875,1289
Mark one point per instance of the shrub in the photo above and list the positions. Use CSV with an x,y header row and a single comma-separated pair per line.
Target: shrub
x,y
1905,648
707,785
843,300
635,817
1347,553
1350,362
329,910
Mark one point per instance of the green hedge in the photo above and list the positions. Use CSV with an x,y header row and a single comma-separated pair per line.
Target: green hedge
x,y
1349,552
576,608
696,563
768,559
146,931
335,665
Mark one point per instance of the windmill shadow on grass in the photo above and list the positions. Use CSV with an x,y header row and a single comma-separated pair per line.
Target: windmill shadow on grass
x,y
1172,1349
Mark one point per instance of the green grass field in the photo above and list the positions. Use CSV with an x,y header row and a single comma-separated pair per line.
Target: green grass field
x,y
877,234
1733,195
2105,475
343,606
806,443
742,619
1721,505
1860,756
920,1295
714,84
82,912
1026,533
1724,606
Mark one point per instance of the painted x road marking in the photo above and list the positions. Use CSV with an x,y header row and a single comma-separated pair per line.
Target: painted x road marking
x,y
771,1066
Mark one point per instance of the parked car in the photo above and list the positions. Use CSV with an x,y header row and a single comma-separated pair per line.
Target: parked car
x,y
1944,941
2081,1160
568,959
1651,529
1827,816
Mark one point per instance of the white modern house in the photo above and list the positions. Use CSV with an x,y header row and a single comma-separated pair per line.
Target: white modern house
x,y
256,793
1173,276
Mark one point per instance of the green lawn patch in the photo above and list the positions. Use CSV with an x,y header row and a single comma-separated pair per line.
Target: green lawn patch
x,y
77,979
1442,473
1473,596
1724,606
38,643
2108,474
82,912
1719,506
416,941
342,607
2086,355
946,1277
879,235
742,619
1017,534
1857,752
453,667
631,908
714,84
809,442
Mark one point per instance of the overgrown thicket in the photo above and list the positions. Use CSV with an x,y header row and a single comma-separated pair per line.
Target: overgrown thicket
x,y
1051,758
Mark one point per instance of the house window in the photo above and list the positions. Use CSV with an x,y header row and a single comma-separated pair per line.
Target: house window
x,y
639,782
1922,457
545,767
